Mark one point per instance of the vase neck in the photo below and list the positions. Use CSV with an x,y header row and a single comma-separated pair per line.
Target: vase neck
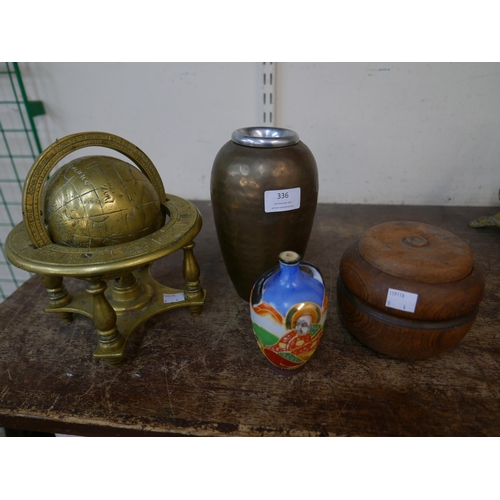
x,y
289,272
265,137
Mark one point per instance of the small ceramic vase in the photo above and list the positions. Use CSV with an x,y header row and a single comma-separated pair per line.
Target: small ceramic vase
x,y
288,306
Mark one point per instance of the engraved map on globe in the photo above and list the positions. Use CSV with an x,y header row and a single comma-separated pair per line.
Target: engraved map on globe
x,y
97,201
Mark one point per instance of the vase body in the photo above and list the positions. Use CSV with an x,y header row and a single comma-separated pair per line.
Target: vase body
x,y
264,192
288,306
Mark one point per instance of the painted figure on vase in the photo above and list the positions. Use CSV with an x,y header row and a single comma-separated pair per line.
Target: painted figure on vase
x,y
288,342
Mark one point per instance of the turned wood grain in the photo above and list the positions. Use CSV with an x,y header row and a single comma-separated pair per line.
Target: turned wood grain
x,y
434,264
436,301
407,339
417,252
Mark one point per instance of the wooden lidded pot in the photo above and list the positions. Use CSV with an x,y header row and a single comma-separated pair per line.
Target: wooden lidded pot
x,y
408,289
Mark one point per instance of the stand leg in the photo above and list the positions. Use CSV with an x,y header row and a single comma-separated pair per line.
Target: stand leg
x,y
58,295
191,273
126,281
110,344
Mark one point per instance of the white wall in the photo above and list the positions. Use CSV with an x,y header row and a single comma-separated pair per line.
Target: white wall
x,y
410,133
179,114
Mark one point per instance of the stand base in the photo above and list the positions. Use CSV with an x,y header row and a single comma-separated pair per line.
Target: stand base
x,y
119,310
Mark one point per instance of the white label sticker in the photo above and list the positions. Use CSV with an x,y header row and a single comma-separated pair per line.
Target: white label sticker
x,y
173,297
281,200
404,301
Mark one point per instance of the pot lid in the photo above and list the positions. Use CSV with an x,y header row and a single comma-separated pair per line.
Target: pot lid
x,y
417,251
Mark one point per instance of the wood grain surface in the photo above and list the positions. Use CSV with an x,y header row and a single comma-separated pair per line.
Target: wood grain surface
x,y
205,376
444,312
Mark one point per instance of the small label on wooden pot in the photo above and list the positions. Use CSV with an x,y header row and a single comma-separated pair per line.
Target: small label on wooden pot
x,y
281,200
173,297
404,301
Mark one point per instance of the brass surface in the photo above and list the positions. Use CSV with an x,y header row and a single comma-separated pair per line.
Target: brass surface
x,y
112,261
37,176
251,239
486,221
130,234
100,201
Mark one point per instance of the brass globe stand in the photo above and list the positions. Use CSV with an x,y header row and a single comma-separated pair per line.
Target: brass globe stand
x,y
134,296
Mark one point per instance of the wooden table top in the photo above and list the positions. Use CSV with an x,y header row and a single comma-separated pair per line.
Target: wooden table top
x,y
205,375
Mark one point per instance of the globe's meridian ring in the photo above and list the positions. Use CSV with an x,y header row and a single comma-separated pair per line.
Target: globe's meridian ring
x,y
33,190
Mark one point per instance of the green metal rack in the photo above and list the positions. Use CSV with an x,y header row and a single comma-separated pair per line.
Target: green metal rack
x,y
19,147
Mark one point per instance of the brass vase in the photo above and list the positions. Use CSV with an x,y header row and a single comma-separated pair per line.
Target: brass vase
x,y
264,192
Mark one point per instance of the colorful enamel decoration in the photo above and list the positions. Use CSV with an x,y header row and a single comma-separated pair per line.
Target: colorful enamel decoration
x,y
288,306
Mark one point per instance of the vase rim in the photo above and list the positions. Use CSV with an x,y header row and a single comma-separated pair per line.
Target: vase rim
x,y
289,257
265,137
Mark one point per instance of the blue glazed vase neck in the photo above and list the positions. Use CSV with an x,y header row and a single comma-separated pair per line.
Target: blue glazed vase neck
x,y
289,274
290,286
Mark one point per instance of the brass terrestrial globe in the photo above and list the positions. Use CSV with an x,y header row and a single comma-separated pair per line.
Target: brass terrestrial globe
x,y
97,201
105,221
